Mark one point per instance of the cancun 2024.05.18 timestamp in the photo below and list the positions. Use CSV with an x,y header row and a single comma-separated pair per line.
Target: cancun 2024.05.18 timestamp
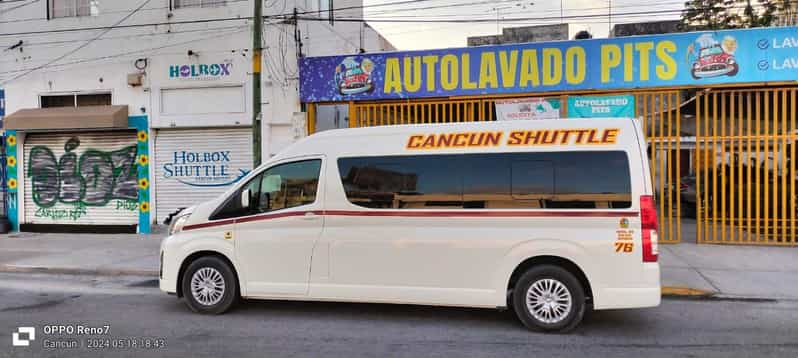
x,y
126,343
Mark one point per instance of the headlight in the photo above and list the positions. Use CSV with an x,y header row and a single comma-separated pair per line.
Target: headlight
x,y
177,224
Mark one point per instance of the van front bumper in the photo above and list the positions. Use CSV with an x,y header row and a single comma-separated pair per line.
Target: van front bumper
x,y
167,275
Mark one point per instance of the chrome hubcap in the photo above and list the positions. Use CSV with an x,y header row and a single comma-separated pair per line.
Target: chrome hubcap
x,y
548,300
207,286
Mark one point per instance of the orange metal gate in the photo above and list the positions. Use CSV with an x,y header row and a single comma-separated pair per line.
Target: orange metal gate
x,y
745,167
660,117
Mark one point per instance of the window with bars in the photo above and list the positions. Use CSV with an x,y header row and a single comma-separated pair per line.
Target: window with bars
x,y
75,100
74,8
179,4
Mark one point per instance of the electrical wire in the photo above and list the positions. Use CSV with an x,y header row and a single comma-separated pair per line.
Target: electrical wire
x,y
134,52
67,54
491,20
361,19
2,12
34,44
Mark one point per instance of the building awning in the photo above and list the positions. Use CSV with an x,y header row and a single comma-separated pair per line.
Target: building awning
x,y
89,117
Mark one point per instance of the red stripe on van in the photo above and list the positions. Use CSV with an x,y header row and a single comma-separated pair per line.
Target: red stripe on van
x,y
405,213
490,214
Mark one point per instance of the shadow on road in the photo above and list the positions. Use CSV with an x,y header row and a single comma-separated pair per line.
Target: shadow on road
x,y
414,315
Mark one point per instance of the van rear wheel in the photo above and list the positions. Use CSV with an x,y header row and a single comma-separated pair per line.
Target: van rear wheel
x,y
209,286
548,298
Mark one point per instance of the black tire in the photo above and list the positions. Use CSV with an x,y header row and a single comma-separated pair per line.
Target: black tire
x,y
574,315
230,292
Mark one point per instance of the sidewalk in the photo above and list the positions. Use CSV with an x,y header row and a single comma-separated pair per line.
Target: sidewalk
x,y
750,272
95,254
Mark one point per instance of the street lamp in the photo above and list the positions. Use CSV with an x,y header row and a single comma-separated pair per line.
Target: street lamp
x,y
499,9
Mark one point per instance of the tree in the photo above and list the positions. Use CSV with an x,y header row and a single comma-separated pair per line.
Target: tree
x,y
583,35
709,15
731,14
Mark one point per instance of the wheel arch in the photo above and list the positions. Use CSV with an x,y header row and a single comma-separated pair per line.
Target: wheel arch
x,y
553,260
205,253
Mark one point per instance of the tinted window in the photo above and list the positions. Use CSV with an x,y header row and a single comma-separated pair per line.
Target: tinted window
x,y
401,181
279,187
591,180
557,180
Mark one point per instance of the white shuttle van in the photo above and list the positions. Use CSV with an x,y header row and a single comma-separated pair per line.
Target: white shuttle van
x,y
548,218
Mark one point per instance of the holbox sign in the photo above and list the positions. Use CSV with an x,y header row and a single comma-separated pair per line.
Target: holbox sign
x,y
203,169
693,58
201,71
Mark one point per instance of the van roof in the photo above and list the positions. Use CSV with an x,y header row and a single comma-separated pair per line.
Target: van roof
x,y
396,139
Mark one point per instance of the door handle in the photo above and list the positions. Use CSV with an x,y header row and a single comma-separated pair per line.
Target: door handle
x,y
309,216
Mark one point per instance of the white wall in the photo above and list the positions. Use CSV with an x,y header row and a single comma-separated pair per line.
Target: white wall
x,y
103,65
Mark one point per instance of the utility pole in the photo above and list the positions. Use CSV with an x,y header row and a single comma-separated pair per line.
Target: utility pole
x,y
257,48
609,19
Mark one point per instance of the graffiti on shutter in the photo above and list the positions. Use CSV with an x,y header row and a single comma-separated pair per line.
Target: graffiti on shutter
x,y
64,188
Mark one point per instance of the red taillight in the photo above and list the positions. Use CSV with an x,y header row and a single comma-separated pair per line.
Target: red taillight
x,y
648,220
683,186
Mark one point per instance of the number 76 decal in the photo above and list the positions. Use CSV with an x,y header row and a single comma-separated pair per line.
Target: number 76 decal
x,y
624,246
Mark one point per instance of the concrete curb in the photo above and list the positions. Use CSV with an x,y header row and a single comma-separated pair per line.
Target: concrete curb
x,y
684,291
77,271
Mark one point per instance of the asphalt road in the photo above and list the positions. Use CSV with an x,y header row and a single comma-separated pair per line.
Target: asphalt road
x,y
133,307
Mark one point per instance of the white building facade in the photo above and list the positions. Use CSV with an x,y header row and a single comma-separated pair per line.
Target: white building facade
x,y
180,71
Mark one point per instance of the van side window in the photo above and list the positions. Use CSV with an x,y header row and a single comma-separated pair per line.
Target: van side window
x,y
287,185
280,187
542,180
401,182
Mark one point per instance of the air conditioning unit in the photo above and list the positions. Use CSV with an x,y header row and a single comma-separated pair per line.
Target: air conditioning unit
x,y
135,79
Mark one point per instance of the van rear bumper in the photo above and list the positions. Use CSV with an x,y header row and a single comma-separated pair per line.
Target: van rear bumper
x,y
648,295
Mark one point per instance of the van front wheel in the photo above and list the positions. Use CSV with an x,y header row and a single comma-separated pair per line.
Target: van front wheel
x,y
209,286
549,298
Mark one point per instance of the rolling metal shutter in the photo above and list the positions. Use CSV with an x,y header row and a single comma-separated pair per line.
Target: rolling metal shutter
x,y
85,178
195,165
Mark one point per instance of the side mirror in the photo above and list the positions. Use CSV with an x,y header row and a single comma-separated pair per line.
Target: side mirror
x,y
245,199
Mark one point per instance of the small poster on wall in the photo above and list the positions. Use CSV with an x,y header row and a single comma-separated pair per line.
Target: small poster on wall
x,y
527,108
622,106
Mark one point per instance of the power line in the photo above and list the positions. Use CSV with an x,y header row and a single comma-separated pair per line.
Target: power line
x,y
119,11
492,20
135,52
33,44
404,2
287,16
83,45
127,26
552,10
18,7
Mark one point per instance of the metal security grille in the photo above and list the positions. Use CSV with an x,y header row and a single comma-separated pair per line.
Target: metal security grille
x,y
745,167
660,117
184,178
416,112
81,178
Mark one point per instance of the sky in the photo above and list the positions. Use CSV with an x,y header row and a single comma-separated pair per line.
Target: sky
x,y
412,36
